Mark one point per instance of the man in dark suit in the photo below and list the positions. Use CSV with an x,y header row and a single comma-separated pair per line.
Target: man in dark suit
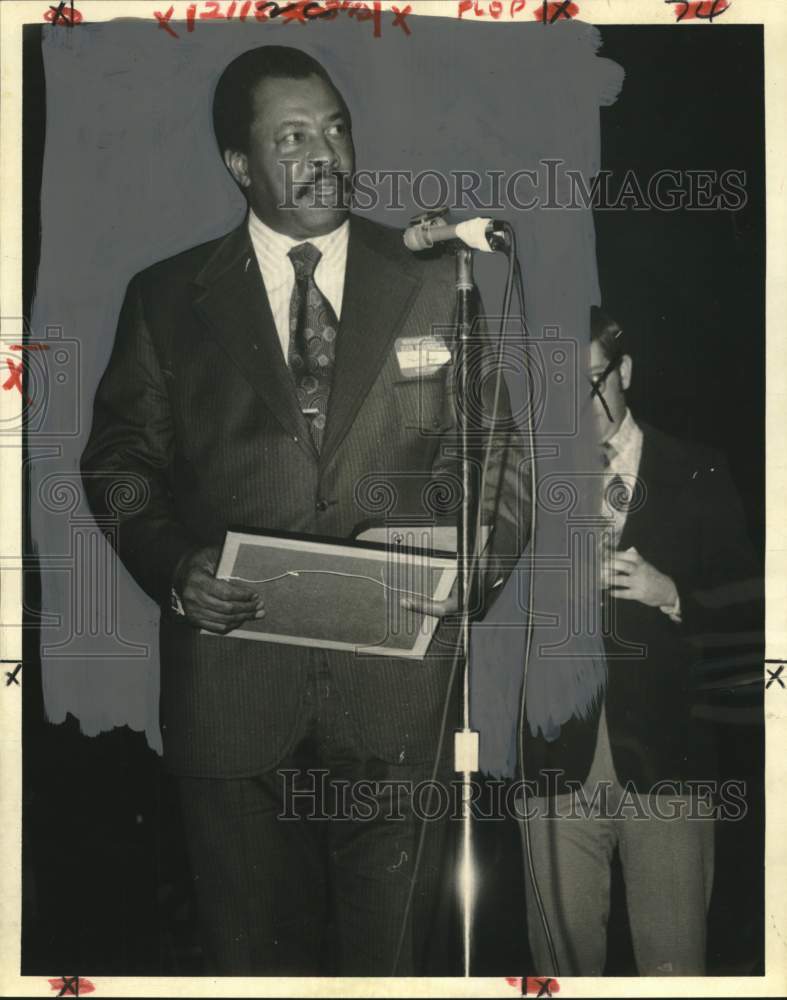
x,y
258,380
677,569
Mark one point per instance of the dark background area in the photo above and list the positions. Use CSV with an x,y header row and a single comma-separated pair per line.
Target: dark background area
x,y
105,883
688,287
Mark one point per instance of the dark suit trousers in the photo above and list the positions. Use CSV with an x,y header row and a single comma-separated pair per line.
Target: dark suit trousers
x,y
283,888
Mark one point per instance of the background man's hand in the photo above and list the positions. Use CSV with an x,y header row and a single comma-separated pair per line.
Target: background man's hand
x,y
632,578
489,580
216,605
439,609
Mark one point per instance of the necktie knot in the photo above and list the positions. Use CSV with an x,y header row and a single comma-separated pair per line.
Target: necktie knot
x,y
305,257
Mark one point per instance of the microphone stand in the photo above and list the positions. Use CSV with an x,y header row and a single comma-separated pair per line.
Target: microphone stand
x,y
466,756
465,740
493,236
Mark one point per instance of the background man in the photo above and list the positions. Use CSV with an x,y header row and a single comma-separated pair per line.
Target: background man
x,y
678,558
255,380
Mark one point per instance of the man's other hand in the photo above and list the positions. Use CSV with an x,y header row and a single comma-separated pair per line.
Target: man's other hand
x,y
632,578
438,609
490,580
216,605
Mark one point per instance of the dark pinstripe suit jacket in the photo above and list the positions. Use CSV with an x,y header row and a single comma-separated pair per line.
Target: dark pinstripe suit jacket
x,y
197,405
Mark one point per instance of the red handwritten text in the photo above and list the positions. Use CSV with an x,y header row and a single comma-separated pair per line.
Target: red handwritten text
x,y
298,11
689,10
509,10
551,12
492,8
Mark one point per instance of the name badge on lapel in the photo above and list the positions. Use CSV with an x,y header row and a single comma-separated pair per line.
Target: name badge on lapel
x,y
420,357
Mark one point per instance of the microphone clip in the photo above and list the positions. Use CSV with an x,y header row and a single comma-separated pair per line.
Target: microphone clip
x,y
426,221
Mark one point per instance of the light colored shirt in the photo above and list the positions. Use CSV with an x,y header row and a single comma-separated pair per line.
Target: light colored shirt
x,y
625,450
625,454
278,275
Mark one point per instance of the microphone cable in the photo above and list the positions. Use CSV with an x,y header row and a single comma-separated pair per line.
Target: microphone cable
x,y
524,824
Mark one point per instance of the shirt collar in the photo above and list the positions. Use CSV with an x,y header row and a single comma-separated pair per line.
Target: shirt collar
x,y
626,438
272,248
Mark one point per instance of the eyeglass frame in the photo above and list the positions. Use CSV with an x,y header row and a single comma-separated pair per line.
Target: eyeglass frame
x,y
597,384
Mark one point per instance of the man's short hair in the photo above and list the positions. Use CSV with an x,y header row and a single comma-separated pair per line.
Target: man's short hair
x,y
233,106
608,333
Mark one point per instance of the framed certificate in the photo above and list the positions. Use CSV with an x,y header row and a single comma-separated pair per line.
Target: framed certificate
x,y
338,595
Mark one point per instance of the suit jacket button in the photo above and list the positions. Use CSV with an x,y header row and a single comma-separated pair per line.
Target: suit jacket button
x,y
322,505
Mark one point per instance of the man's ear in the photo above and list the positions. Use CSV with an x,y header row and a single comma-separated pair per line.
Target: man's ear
x,y
238,165
625,371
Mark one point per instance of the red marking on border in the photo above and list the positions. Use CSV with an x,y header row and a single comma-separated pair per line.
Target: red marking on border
x,y
496,9
62,14
14,380
555,10
399,20
213,11
542,986
71,986
303,11
706,10
163,20
537,986
17,369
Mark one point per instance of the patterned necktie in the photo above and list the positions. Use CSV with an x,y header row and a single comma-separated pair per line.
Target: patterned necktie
x,y
312,348
616,493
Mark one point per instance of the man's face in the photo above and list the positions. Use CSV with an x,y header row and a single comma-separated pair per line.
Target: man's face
x,y
608,391
297,171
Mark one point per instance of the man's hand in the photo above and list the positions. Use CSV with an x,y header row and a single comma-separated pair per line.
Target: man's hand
x,y
439,609
216,605
489,571
631,578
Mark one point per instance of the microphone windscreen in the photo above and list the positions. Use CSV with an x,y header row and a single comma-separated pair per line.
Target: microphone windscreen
x,y
474,234
415,239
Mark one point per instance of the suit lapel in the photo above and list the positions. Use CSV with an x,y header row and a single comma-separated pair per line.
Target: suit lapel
x,y
230,296
646,523
378,292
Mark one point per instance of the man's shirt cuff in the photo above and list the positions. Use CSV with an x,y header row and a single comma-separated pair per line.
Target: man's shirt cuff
x,y
175,603
672,611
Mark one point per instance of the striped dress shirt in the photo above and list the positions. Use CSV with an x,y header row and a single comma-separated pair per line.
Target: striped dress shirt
x,y
271,250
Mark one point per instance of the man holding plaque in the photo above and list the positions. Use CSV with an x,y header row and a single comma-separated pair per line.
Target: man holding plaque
x,y
257,380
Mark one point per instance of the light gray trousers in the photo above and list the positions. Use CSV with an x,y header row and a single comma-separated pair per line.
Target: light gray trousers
x,y
667,868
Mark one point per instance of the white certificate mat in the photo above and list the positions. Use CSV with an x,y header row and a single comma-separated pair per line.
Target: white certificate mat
x,y
337,596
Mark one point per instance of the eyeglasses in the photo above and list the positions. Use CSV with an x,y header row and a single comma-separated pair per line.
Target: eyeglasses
x,y
597,383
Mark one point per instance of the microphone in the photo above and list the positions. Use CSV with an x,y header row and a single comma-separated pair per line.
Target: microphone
x,y
486,235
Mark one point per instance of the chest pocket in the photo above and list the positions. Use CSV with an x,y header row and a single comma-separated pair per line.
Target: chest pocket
x,y
422,376
425,404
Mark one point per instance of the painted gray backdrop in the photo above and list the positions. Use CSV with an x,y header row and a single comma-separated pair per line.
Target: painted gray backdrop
x,y
132,175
